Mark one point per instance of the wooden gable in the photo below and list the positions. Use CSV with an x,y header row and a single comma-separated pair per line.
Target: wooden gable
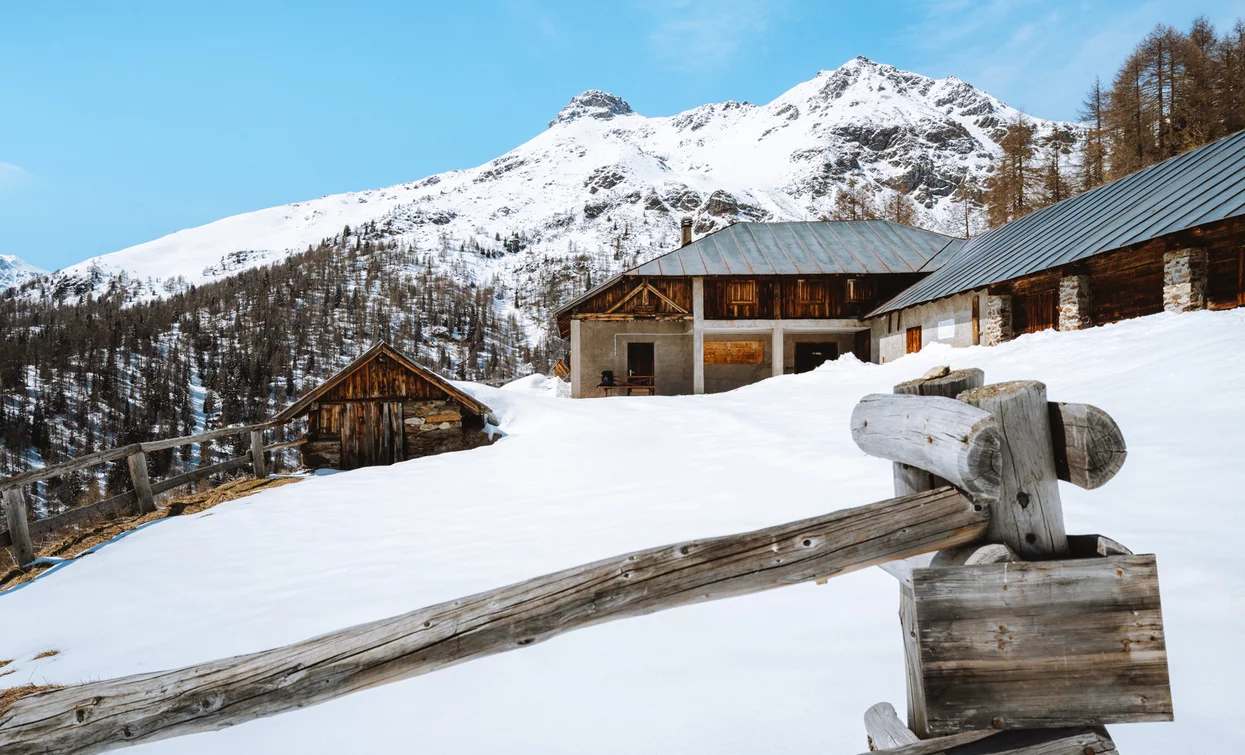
x,y
631,297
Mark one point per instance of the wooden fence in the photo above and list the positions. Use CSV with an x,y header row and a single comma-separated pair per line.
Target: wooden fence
x,y
1019,639
20,533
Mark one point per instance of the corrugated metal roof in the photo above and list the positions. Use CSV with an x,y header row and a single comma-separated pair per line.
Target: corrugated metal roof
x,y
1201,186
853,247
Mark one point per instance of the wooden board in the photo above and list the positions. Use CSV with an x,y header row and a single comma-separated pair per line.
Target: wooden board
x,y
1044,644
734,352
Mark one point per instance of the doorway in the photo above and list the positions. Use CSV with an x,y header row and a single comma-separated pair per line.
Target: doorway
x,y
371,434
810,356
640,362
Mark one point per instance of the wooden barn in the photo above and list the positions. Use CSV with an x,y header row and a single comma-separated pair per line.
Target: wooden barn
x,y
383,408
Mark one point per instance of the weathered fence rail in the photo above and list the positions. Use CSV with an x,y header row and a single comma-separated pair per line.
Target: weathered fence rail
x,y
1019,639
20,533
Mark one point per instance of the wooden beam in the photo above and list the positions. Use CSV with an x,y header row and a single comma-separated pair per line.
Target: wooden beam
x,y
199,473
1068,741
884,729
19,530
1028,516
98,716
142,483
1089,446
73,465
285,444
186,440
949,438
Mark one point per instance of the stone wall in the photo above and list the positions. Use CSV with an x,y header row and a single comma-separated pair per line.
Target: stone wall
x,y
1184,280
1075,311
996,320
433,427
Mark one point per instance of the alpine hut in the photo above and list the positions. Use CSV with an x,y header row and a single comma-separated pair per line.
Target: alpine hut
x,y
384,408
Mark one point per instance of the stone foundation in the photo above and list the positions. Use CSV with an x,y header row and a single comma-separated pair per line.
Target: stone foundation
x,y
996,322
1074,303
1184,280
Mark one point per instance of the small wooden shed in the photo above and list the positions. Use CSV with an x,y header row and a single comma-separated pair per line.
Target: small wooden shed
x,y
383,408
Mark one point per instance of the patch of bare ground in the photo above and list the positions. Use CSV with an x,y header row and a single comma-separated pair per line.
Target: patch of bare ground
x,y
72,542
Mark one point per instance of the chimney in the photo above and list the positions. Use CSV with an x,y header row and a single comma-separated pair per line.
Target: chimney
x,y
686,228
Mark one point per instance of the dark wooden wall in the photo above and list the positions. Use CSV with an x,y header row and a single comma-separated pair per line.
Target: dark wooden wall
x,y
379,379
797,298
678,290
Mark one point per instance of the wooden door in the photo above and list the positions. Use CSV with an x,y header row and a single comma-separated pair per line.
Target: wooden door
x,y
640,361
1040,312
912,340
371,433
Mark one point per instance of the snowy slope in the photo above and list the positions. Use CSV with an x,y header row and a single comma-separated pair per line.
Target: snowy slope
x,y
607,181
788,671
15,271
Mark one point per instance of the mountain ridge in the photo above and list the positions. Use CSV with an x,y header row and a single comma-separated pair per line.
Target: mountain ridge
x,y
604,187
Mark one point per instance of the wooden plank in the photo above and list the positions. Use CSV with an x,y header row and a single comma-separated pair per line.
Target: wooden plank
x,y
186,440
1091,740
1089,446
199,473
1038,645
884,729
19,530
82,462
109,505
285,444
142,483
1028,517
257,454
98,716
734,352
948,438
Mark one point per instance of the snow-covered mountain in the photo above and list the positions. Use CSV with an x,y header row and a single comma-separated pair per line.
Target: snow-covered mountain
x,y
15,271
607,186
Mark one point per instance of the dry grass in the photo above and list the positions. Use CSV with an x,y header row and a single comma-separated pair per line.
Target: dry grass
x,y
13,694
47,654
72,542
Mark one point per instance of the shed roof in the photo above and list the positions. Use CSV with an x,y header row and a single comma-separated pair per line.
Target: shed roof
x,y
803,248
377,349
1201,186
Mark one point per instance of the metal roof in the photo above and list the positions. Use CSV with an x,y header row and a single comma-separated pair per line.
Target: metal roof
x,y
1201,186
853,247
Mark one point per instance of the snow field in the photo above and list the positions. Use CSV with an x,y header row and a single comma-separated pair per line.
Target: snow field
x,y
790,670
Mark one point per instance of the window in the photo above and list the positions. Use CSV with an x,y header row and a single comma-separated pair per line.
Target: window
x,y
742,292
810,292
855,290
913,338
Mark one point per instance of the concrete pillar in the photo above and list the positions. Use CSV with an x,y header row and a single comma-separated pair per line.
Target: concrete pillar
x,y
577,362
776,352
1184,280
1074,303
698,335
996,326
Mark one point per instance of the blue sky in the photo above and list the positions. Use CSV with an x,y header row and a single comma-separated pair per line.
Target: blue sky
x,y
124,121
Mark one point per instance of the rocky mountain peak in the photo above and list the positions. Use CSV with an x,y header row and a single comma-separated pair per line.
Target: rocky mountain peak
x,y
593,103
14,271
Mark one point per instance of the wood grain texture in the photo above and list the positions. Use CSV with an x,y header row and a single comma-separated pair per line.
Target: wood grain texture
x,y
1028,516
884,729
82,462
186,440
142,483
1039,645
257,454
1089,446
19,530
1065,741
947,438
98,716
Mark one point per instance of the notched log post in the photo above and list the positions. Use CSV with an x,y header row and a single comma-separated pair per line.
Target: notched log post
x,y
1028,516
257,454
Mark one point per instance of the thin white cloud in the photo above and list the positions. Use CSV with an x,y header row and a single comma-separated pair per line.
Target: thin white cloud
x,y
699,36
11,176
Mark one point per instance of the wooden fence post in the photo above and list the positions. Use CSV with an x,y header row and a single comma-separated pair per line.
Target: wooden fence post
x,y
142,483
19,530
257,454
909,480
1028,517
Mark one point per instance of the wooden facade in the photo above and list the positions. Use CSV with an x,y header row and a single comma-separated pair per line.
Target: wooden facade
x,y
382,409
